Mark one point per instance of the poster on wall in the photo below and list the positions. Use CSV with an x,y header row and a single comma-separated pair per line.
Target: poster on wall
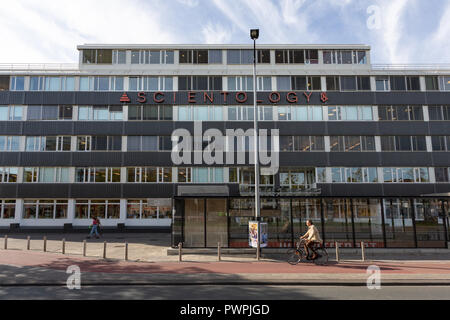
x,y
253,234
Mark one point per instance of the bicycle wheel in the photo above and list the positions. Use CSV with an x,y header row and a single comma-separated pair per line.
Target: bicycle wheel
x,y
294,257
322,257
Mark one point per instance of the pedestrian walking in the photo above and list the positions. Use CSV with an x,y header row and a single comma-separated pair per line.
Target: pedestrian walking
x,y
95,226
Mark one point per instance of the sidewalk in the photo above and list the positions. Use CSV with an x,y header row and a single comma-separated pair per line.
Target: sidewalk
x,y
21,268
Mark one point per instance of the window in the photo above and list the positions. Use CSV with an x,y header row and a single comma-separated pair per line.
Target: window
x,y
215,56
97,56
333,83
308,56
245,83
149,175
150,83
119,57
445,83
239,56
344,57
11,113
350,113
8,175
7,209
61,143
102,209
200,175
294,179
143,143
359,83
112,113
199,83
99,143
97,175
284,83
400,175
4,83
143,209
45,209
432,83
17,84
52,83
200,113
46,175
403,143
440,143
263,56
306,83
102,83
309,143
382,83
354,175
401,83
194,56
402,113
439,112
442,174
352,143
150,112
306,113
9,143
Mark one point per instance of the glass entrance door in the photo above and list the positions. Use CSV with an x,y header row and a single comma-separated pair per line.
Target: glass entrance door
x,y
216,223
194,223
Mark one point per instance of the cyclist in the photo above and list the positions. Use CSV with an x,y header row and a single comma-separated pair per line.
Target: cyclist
x,y
312,237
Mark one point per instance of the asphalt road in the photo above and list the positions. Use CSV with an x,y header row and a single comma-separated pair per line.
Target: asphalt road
x,y
212,292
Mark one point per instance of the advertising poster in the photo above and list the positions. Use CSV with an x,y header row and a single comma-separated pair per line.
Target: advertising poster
x,y
253,234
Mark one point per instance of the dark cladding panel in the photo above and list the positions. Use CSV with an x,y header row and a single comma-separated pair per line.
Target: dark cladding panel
x,y
440,128
9,159
46,159
151,128
407,189
310,128
437,98
8,190
162,159
97,159
354,190
413,128
98,128
345,128
45,128
16,98
309,159
406,159
43,191
149,190
393,97
96,190
441,159
355,159
11,127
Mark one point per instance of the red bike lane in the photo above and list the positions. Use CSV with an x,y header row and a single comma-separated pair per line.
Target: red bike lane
x,y
53,261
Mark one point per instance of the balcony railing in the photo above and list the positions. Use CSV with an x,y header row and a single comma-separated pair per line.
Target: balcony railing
x,y
430,67
39,66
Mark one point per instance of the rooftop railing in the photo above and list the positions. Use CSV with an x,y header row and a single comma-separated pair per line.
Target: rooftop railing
x,y
39,66
427,67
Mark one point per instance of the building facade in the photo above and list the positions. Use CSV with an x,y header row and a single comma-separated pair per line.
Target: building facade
x,y
364,150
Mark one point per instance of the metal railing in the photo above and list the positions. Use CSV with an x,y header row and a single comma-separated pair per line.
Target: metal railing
x,y
39,66
442,66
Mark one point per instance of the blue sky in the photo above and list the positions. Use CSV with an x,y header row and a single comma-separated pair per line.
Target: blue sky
x,y
399,31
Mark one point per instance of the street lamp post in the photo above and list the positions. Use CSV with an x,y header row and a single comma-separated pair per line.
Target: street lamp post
x,y
254,34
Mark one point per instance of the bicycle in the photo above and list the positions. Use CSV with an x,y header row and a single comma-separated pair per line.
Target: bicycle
x,y
298,254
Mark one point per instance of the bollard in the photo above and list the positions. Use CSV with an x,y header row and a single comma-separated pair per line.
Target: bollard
x,y
104,250
28,242
180,257
63,246
84,248
362,251
45,244
337,251
6,242
126,251
219,258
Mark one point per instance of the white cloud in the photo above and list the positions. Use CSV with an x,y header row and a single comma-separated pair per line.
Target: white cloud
x,y
48,31
189,3
216,34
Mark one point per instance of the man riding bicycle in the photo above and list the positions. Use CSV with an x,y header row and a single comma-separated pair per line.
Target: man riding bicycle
x,y
312,237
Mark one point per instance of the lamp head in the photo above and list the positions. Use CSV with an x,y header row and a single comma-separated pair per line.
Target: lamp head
x,y
254,34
